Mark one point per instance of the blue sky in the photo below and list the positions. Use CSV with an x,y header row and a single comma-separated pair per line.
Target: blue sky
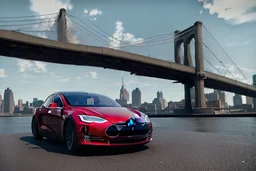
x,y
231,22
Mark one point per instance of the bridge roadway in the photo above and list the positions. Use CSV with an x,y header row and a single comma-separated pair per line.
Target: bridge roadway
x,y
25,46
171,149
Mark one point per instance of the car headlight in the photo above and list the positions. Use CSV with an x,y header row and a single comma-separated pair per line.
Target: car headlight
x,y
90,119
146,118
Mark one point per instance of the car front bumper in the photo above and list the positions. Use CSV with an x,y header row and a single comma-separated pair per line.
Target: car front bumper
x,y
96,134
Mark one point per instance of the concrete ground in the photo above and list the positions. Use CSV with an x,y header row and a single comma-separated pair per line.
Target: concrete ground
x,y
170,150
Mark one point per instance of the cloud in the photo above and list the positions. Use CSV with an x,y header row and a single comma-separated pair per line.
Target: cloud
x,y
78,77
2,73
35,66
237,44
94,75
52,6
93,13
119,37
201,12
64,80
235,72
49,6
234,11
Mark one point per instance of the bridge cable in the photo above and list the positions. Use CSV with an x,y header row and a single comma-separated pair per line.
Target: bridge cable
x,y
90,34
226,53
30,16
219,60
108,36
26,24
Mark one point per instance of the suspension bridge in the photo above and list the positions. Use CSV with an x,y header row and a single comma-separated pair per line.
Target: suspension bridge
x,y
51,39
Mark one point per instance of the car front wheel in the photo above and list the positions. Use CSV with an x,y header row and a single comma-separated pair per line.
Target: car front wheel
x,y
71,137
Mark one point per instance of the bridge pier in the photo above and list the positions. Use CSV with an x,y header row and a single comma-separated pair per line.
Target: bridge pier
x,y
185,37
199,81
62,26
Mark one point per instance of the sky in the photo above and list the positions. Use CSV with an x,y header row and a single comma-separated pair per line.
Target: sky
x,y
231,22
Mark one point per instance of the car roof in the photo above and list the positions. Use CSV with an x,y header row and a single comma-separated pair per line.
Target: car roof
x,y
77,93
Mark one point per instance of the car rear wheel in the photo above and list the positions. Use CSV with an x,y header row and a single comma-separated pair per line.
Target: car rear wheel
x,y
71,137
35,130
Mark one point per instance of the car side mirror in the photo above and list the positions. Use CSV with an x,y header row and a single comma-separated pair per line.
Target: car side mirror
x,y
53,105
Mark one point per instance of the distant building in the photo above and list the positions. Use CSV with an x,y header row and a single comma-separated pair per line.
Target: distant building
x,y
20,107
254,84
212,96
159,101
243,106
176,105
8,101
165,104
249,100
1,104
136,97
148,108
124,95
237,100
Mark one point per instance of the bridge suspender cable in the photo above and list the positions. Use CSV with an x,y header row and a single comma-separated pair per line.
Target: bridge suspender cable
x,y
31,16
226,53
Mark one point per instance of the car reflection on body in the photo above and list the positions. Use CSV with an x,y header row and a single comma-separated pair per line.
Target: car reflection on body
x,y
80,118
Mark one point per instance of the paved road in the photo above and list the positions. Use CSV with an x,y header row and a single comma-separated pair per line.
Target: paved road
x,y
176,150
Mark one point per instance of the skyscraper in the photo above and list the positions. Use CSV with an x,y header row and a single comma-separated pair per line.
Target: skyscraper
x,y
254,84
1,104
20,105
254,79
124,94
8,101
136,97
237,100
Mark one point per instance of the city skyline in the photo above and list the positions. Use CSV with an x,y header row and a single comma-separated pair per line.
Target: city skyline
x,y
122,24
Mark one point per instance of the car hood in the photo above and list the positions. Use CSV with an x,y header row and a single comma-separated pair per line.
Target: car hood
x,y
113,114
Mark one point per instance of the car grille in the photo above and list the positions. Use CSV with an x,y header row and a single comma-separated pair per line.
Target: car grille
x,y
96,139
117,141
124,130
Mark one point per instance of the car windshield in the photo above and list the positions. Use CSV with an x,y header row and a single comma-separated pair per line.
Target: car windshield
x,y
89,100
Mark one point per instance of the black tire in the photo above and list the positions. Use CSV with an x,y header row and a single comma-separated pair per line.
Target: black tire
x,y
71,138
35,130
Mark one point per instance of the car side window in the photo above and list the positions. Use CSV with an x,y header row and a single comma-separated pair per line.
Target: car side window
x,y
58,101
48,101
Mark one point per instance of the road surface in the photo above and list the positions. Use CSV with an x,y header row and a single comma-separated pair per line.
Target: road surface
x,y
171,149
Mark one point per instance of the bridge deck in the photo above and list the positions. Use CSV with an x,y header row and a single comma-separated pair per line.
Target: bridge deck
x,y
25,46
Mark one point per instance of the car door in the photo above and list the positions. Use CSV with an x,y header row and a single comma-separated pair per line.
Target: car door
x,y
44,114
55,118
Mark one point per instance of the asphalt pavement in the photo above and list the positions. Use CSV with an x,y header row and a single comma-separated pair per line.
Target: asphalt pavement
x,y
170,150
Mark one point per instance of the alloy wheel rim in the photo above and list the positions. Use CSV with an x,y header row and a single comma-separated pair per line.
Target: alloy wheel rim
x,y
69,138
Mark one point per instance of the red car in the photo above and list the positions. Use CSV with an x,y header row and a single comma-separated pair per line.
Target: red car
x,y
80,118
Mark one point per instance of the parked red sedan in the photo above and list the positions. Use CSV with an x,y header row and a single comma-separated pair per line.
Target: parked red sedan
x,y
80,118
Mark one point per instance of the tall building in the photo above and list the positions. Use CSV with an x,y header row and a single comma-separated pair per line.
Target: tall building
x,y
159,101
254,84
237,100
136,97
8,101
249,100
1,103
212,96
20,105
165,103
254,79
124,94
